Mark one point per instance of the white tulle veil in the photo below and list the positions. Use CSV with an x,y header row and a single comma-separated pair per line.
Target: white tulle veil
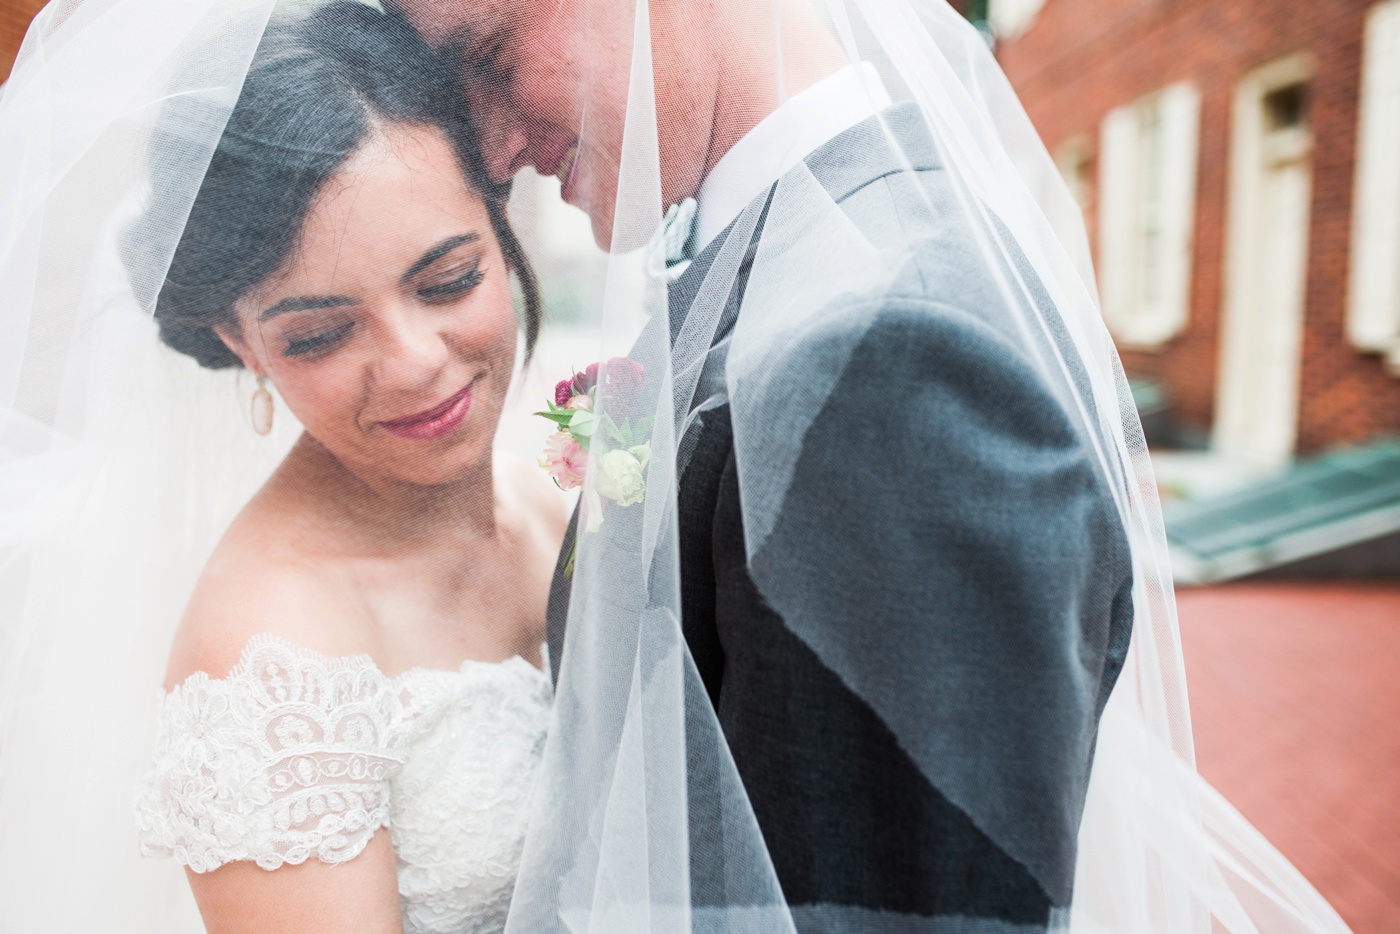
x,y
121,463
113,490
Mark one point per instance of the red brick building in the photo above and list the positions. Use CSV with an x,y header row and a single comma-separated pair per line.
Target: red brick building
x,y
14,20
1223,138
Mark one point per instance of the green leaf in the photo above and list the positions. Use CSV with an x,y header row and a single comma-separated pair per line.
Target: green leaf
x,y
573,556
583,423
611,428
560,418
627,434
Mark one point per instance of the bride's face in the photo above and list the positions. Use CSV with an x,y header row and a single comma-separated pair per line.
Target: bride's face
x,y
390,331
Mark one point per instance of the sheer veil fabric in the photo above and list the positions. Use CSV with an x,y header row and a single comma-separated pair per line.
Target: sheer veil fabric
x,y
120,465
643,823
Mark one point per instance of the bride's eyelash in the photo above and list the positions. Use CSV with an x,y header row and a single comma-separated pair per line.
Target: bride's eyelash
x,y
453,288
316,344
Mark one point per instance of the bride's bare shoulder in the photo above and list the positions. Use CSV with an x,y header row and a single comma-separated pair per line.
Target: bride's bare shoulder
x,y
259,579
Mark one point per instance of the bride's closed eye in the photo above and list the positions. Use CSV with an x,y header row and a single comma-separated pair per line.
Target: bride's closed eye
x,y
317,344
448,271
451,284
442,288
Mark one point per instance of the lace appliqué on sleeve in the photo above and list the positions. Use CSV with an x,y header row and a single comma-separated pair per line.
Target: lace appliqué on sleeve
x,y
287,757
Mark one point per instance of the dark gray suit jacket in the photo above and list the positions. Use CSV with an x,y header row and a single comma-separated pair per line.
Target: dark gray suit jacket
x,y
985,540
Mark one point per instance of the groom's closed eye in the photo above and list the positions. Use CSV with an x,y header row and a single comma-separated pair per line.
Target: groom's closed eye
x,y
491,64
478,54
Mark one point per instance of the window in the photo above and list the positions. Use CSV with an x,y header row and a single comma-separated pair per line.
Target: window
x,y
1147,208
1373,315
1072,158
1267,249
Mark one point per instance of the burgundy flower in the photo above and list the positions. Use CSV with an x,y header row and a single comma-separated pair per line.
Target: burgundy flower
x,y
563,392
585,381
622,384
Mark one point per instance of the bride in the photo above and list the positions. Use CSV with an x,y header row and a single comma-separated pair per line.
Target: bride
x,y
361,651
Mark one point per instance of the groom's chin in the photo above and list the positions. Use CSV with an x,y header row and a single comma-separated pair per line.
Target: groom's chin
x,y
601,210
602,228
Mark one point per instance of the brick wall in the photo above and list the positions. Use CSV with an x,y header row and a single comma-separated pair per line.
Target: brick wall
x,y
1081,58
14,20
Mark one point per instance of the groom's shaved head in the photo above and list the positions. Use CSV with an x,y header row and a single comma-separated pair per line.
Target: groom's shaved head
x,y
450,22
547,83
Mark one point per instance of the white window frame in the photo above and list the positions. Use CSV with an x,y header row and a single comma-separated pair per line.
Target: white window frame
x,y
1373,304
1011,18
1148,157
1072,158
1258,375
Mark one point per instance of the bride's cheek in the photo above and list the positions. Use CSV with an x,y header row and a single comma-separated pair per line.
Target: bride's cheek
x,y
319,402
489,329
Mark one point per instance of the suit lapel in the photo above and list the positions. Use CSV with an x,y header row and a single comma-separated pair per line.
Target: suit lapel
x,y
842,166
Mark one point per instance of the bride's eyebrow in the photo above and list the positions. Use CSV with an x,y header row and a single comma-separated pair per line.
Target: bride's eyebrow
x,y
437,253
306,303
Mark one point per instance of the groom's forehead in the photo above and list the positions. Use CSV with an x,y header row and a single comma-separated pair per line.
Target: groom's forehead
x,y
462,23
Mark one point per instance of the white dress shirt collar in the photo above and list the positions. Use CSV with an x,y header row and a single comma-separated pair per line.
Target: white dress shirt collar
x,y
781,140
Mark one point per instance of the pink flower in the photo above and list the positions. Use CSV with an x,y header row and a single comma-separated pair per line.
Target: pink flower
x,y
622,382
565,460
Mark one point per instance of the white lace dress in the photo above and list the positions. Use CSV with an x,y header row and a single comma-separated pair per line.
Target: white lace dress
x,y
295,755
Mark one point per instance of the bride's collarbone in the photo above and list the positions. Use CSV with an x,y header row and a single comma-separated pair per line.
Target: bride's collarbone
x,y
411,624
468,605
408,608
432,599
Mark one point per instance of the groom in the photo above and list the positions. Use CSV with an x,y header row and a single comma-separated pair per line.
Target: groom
x,y
984,536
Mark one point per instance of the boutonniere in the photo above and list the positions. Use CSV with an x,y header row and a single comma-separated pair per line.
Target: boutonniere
x,y
623,449
673,246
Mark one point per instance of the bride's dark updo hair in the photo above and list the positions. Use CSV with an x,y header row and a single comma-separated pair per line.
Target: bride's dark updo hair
x,y
316,89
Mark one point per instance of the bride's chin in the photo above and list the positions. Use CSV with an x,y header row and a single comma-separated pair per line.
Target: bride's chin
x,y
459,464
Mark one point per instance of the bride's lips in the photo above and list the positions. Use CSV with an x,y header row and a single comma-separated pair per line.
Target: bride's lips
x,y
435,422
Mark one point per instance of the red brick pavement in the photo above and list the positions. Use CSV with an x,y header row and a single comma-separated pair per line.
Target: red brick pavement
x,y
1295,701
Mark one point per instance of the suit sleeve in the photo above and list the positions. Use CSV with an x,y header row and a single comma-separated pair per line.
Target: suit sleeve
x,y
946,602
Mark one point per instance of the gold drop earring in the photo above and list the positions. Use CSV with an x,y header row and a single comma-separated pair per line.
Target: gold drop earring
x,y
262,407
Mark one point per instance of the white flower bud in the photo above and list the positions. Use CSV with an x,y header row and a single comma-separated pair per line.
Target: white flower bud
x,y
622,474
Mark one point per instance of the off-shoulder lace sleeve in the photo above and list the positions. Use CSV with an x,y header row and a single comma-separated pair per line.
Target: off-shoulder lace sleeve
x,y
288,756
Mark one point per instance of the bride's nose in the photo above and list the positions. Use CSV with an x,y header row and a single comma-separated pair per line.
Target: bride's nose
x,y
409,351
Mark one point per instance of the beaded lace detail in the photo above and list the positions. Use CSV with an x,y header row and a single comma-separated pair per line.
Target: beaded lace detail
x,y
295,754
